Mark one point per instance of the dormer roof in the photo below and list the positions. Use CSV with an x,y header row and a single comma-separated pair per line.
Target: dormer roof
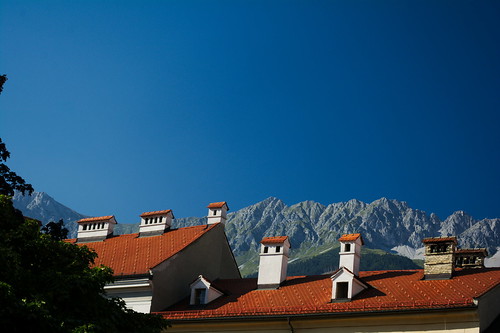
x,y
351,238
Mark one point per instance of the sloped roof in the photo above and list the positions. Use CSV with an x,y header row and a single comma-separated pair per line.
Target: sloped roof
x,y
131,255
157,212
274,240
388,291
95,219
218,205
350,238
439,240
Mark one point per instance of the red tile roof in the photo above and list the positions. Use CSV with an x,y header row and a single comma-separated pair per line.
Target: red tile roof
x,y
218,205
350,238
439,240
95,219
158,212
131,255
274,240
389,291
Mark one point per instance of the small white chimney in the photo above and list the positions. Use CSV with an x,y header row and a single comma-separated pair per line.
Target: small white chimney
x,y
350,252
273,262
345,281
155,223
217,212
95,229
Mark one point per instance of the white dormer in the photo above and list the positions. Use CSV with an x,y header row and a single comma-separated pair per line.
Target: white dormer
x,y
217,212
155,223
95,228
202,292
345,285
350,252
273,263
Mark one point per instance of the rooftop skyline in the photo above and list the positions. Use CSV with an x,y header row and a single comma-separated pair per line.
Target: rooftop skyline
x,y
129,107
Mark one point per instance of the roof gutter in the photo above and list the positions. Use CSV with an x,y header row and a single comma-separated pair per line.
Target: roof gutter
x,y
289,317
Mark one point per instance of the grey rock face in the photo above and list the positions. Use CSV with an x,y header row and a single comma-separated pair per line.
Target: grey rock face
x,y
41,206
385,224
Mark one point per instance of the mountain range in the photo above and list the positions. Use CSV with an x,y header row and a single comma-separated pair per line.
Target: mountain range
x,y
389,225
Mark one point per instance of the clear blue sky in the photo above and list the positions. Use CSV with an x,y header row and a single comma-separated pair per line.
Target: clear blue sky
x,y
121,107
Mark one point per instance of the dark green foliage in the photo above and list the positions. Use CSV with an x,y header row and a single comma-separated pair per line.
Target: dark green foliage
x,y
56,230
9,180
49,286
371,260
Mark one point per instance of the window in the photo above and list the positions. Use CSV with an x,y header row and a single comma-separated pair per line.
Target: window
x,y
156,219
266,249
278,248
84,227
199,296
215,212
342,290
347,248
161,218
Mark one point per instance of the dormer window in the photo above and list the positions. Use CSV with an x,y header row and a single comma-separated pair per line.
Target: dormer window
x,y
199,296
342,290
202,292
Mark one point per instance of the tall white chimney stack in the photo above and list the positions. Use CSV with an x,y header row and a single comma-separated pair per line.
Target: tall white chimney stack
x,y
274,253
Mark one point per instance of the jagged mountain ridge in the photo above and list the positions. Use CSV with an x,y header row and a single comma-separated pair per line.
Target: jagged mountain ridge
x,y
41,206
385,224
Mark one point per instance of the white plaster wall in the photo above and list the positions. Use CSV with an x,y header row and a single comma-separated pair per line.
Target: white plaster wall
x,y
137,298
272,268
98,232
489,307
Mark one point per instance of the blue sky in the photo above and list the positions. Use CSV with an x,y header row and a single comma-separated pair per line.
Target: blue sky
x,y
121,107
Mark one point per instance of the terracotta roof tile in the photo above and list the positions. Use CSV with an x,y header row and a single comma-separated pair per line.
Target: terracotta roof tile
x,y
158,212
218,205
439,240
389,291
131,255
350,237
274,240
94,219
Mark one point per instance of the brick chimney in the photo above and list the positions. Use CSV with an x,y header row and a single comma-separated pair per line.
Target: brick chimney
x,y
273,262
439,257
95,229
155,223
217,212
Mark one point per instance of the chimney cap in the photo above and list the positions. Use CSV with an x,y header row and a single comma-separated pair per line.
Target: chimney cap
x,y
471,251
274,240
218,205
157,212
440,240
351,238
110,218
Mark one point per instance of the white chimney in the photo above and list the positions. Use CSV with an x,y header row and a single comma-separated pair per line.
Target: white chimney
x,y
155,223
217,212
95,228
345,281
350,252
273,262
